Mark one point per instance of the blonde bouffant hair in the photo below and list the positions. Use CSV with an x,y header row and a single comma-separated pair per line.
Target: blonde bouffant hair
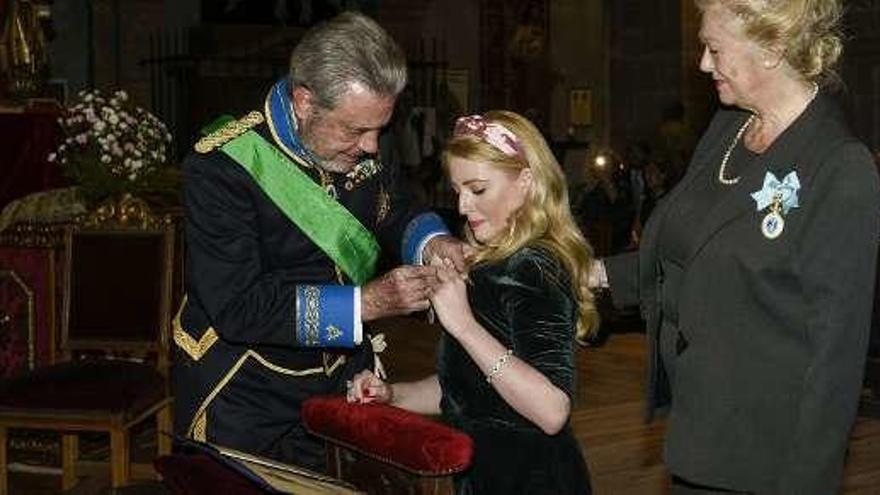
x,y
807,31
545,218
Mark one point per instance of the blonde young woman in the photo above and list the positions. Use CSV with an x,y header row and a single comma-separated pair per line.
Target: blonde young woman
x,y
506,367
756,272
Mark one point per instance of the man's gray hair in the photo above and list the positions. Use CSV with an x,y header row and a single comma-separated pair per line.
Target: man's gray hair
x,y
350,48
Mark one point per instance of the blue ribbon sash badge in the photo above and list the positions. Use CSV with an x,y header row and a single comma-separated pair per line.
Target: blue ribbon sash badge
x,y
773,191
779,197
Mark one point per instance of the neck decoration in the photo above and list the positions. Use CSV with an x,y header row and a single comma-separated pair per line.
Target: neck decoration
x,y
722,169
283,125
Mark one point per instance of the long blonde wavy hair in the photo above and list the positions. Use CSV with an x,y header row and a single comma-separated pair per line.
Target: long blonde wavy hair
x,y
544,219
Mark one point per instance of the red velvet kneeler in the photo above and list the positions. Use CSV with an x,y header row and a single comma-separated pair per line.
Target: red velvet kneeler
x,y
385,445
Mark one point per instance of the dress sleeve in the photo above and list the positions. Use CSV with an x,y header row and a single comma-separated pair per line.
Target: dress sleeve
x,y
243,302
837,259
542,315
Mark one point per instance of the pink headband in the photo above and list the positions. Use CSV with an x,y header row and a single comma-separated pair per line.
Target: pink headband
x,y
500,137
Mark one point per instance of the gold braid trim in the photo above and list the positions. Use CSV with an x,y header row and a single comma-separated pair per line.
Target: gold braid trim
x,y
199,425
199,429
194,348
228,132
312,316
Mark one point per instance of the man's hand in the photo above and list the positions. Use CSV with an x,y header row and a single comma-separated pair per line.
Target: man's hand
x,y
446,247
401,291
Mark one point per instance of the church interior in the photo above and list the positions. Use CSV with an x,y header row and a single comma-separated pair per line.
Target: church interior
x,y
92,252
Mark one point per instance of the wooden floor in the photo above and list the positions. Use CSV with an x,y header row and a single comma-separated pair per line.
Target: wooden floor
x,y
624,454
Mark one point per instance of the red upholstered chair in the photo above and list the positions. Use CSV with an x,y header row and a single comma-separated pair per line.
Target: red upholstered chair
x,y
385,449
116,310
29,302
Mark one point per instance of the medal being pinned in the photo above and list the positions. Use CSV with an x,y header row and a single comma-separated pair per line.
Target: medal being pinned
x,y
779,197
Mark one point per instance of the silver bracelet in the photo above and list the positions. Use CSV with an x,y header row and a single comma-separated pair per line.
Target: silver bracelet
x,y
499,365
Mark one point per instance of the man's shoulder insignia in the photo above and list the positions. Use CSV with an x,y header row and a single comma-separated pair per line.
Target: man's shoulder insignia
x,y
228,132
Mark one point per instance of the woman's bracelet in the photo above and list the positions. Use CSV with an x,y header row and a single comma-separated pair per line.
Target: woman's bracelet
x,y
499,365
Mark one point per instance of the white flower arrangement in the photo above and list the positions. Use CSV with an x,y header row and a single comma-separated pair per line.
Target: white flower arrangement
x,y
127,140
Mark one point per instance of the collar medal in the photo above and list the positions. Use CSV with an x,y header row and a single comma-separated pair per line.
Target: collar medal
x,y
779,197
285,130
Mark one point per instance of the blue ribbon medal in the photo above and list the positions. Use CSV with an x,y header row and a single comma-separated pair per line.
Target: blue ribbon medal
x,y
780,197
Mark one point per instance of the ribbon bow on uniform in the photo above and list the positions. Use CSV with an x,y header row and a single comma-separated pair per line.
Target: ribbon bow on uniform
x,y
785,192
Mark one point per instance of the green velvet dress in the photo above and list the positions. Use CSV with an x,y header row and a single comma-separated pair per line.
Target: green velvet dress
x,y
527,304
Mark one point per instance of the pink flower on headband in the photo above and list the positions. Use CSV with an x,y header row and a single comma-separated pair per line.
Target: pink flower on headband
x,y
500,137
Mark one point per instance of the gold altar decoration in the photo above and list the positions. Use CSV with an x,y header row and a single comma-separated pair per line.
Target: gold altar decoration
x,y
125,212
24,59
52,206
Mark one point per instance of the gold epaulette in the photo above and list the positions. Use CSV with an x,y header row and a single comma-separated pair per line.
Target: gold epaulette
x,y
228,132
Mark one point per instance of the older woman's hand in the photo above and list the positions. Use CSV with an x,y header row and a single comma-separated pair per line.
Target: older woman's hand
x,y
366,387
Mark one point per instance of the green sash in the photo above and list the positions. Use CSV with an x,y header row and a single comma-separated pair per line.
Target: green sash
x,y
326,222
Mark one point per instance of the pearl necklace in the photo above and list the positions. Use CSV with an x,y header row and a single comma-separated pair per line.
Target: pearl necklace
x,y
742,130
721,170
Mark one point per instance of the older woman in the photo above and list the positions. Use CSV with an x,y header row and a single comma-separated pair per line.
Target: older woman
x,y
506,365
756,272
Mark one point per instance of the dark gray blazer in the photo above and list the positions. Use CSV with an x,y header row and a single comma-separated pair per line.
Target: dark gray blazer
x,y
763,390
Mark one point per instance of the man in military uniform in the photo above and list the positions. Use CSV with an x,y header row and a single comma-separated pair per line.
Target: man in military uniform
x,y
286,214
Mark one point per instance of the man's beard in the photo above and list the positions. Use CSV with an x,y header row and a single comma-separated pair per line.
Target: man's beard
x,y
333,166
311,140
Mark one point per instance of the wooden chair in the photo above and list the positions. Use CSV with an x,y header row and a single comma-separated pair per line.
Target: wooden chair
x,y
117,281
